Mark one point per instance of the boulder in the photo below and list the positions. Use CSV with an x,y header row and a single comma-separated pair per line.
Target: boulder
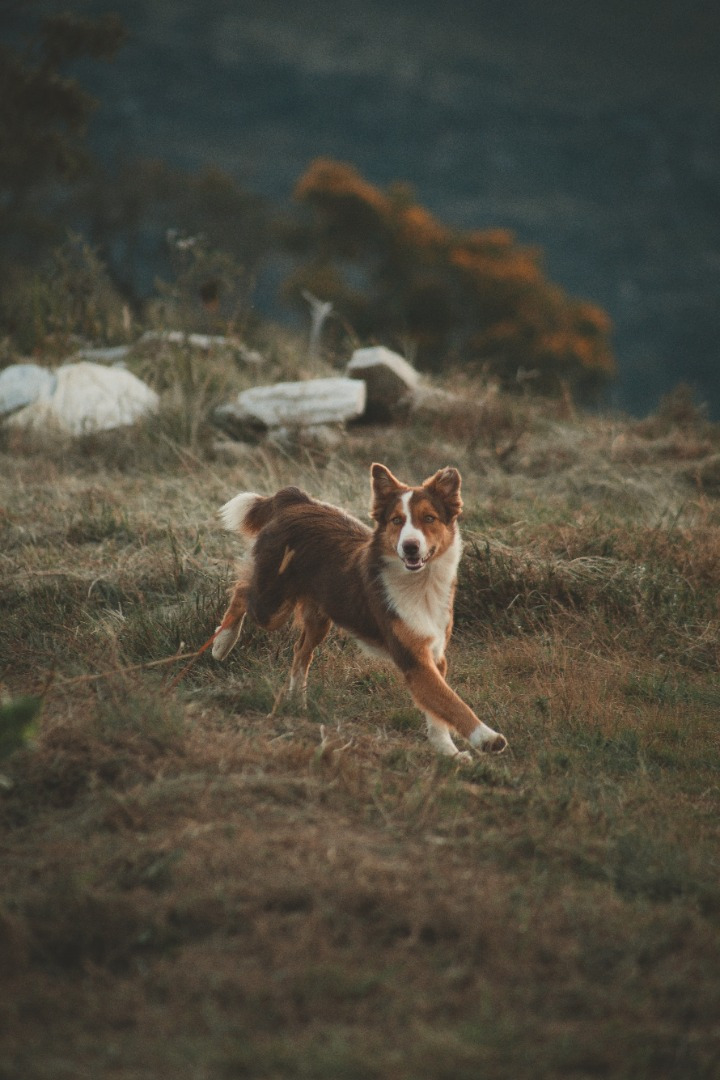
x,y
21,384
114,354
204,342
302,404
391,381
88,398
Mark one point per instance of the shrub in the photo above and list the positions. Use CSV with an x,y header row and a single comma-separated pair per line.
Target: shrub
x,y
69,298
476,297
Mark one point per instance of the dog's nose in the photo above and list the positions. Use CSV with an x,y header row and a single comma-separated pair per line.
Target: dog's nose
x,y
411,548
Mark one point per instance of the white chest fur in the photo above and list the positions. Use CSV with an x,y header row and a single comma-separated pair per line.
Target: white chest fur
x,y
422,599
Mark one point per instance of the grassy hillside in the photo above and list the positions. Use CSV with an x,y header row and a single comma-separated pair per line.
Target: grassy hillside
x,y
189,889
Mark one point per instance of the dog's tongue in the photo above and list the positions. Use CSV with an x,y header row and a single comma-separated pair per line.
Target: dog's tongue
x,y
413,564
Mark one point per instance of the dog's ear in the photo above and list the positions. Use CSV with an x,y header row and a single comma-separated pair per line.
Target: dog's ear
x,y
384,486
445,485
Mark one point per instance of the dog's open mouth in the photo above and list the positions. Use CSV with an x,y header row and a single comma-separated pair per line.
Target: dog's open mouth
x,y
417,563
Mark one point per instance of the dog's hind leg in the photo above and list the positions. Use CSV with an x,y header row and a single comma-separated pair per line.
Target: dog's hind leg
x,y
315,626
314,629
229,629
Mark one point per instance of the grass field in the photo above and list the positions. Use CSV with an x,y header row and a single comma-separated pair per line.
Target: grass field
x,y
191,890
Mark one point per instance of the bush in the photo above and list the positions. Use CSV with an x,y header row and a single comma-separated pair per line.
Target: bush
x,y
68,299
476,298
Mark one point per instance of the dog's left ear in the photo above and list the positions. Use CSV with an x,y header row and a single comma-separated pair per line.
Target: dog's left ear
x,y
445,484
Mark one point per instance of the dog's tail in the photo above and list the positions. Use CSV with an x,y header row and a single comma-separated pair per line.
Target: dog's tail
x,y
248,513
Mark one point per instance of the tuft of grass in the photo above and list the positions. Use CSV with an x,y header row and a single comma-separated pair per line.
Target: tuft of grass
x,y
645,866
666,690
98,523
640,589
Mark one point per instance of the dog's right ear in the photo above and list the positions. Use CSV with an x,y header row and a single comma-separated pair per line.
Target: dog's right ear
x,y
384,487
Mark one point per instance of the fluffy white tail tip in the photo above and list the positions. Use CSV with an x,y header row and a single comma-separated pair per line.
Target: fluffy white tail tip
x,y
234,512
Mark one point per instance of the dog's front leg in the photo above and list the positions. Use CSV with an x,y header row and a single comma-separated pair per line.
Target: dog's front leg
x,y
440,739
443,708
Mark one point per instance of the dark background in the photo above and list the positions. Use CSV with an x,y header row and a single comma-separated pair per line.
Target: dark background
x,y
590,129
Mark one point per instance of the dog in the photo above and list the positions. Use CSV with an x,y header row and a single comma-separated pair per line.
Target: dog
x,y
391,587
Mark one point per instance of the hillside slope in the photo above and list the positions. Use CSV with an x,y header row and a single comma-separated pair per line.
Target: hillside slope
x,y
191,889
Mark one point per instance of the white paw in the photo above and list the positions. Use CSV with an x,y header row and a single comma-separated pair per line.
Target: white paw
x,y
224,641
489,741
440,738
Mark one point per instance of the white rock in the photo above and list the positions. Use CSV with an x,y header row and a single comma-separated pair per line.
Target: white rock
x,y
304,404
435,399
21,384
250,356
196,341
114,354
391,380
89,398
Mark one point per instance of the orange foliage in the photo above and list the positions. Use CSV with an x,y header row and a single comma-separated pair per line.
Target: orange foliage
x,y
595,318
474,297
500,239
419,228
327,179
514,267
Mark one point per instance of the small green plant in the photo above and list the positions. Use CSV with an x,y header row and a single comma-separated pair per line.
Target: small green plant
x,y
69,302
18,723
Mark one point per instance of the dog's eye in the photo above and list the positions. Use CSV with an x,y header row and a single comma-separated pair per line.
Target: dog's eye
x,y
429,518
396,520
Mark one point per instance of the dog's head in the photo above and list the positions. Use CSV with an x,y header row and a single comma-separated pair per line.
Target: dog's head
x,y
417,523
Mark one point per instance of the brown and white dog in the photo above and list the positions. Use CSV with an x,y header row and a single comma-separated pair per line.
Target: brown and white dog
x,y
392,587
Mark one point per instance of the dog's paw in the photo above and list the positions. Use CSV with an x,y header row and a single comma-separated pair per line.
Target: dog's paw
x,y
488,741
496,745
224,641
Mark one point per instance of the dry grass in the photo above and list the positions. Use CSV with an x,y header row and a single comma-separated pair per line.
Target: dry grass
x,y
189,889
